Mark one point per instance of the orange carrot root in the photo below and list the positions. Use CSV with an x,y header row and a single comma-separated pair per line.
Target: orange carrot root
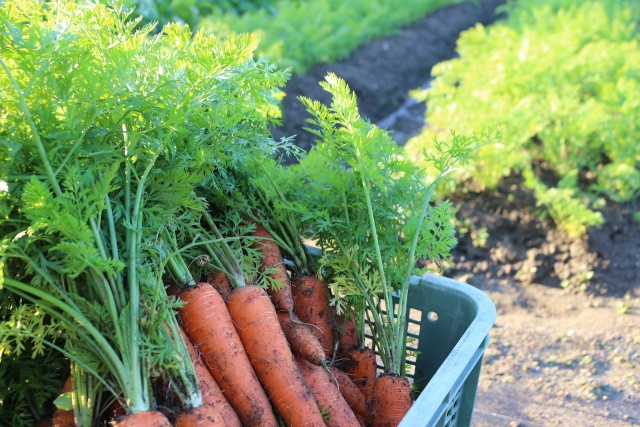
x,y
363,421
220,283
311,304
351,393
337,412
272,259
144,419
208,325
257,323
211,393
64,418
391,400
302,341
202,416
346,331
44,423
360,365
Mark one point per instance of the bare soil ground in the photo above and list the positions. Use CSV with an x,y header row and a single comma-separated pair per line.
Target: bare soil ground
x,y
565,348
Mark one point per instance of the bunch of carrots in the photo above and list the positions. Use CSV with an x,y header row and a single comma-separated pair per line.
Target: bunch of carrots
x,y
263,358
278,348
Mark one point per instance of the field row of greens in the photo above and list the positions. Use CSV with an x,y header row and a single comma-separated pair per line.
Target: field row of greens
x,y
301,34
295,34
137,164
560,81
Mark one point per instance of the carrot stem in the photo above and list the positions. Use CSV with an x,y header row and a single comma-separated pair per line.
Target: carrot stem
x,y
138,391
380,339
293,246
225,254
34,130
113,237
87,332
184,375
389,356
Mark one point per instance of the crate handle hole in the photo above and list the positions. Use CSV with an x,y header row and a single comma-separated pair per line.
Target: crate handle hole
x,y
432,316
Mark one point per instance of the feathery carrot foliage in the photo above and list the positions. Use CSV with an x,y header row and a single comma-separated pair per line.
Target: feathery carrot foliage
x,y
372,213
106,130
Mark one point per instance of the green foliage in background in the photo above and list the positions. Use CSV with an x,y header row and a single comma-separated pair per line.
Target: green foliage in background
x,y
299,34
295,34
190,11
560,80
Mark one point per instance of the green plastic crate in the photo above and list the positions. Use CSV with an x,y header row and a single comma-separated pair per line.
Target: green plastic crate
x,y
453,320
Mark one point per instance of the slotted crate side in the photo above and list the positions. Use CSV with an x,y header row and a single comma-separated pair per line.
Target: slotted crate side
x,y
454,330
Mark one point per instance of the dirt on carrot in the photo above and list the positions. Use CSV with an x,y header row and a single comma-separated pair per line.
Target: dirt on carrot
x,y
144,419
211,393
202,416
391,400
302,341
336,410
351,393
220,283
360,365
272,260
345,330
311,305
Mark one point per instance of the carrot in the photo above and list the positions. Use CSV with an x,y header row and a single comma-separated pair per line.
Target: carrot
x,y
144,419
211,393
337,412
44,423
203,416
346,331
360,365
257,323
272,259
64,418
302,341
220,283
351,393
207,323
391,400
311,304
363,421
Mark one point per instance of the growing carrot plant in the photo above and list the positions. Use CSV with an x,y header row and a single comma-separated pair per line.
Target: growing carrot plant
x,y
559,79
